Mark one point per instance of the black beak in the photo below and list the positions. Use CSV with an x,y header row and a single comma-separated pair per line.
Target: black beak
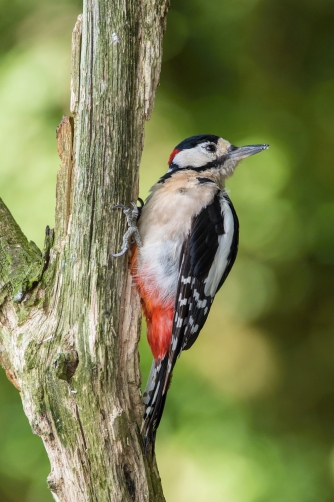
x,y
241,152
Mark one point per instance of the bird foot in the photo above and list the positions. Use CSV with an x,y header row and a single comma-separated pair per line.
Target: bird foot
x,y
132,233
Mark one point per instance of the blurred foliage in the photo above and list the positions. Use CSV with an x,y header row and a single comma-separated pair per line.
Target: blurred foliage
x,y
249,417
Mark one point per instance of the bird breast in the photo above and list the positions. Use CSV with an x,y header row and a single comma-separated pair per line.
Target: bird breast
x,y
163,226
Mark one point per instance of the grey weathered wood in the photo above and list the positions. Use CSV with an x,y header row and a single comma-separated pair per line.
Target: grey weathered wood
x,y
69,318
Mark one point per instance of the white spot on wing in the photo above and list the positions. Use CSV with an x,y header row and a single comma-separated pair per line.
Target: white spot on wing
x,y
148,410
186,280
156,393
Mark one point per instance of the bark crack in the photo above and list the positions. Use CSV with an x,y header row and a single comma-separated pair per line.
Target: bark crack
x,y
91,227
89,470
81,428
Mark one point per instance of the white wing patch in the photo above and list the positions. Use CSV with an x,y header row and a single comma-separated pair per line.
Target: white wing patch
x,y
220,261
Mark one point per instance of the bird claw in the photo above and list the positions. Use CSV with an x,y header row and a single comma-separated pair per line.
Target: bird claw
x,y
132,232
117,255
120,205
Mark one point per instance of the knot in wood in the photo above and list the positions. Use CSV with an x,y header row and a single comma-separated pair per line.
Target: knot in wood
x,y
66,365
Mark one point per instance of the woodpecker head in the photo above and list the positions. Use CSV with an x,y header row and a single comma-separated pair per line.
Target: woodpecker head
x,y
206,151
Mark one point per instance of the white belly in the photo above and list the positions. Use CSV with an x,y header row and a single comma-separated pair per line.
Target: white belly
x,y
158,264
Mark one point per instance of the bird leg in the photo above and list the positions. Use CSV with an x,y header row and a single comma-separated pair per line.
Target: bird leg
x,y
132,232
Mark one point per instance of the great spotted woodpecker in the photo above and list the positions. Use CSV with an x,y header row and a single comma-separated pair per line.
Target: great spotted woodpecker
x,y
186,242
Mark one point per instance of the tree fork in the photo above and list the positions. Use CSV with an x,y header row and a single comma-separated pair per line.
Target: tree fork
x,y
69,317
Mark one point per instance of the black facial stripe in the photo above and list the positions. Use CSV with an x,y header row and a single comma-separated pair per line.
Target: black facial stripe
x,y
167,175
216,163
204,180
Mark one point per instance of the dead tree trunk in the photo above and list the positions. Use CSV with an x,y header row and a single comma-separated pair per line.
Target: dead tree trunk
x,y
69,318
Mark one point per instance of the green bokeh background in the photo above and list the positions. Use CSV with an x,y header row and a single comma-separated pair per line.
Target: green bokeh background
x,y
250,414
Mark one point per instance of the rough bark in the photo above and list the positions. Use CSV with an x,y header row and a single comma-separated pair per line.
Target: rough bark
x,y
69,317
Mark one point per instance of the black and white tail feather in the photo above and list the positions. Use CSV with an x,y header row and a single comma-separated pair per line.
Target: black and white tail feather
x,y
206,259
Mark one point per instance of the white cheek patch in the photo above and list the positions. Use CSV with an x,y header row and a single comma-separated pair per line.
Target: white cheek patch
x,y
194,157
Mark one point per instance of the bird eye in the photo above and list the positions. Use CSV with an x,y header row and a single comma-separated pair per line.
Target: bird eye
x,y
211,148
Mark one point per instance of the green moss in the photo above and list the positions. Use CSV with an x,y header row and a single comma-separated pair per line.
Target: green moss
x,y
31,355
62,418
22,264
37,394
21,268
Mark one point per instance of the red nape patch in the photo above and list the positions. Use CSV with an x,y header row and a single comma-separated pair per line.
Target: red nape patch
x,y
172,155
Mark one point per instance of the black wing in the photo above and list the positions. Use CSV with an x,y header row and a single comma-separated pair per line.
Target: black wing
x,y
207,235
216,222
